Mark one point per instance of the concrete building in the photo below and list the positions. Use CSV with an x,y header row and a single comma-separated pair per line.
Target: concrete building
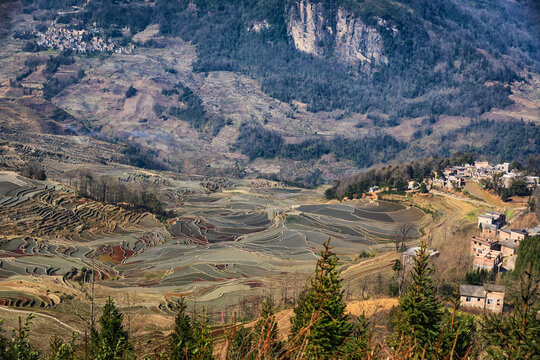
x,y
491,261
508,247
492,218
481,246
514,235
488,297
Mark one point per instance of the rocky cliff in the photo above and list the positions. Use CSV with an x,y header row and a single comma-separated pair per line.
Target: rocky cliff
x,y
352,41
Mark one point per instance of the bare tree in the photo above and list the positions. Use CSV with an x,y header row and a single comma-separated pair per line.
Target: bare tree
x,y
401,235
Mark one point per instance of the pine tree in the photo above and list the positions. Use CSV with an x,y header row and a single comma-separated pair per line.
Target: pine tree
x,y
242,347
516,336
458,332
203,345
181,343
20,347
320,325
358,342
266,333
59,350
112,340
420,312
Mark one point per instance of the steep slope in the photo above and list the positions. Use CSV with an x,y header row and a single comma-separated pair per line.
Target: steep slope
x,y
301,90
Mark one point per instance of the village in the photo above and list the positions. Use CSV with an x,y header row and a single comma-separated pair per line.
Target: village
x,y
80,41
454,177
494,247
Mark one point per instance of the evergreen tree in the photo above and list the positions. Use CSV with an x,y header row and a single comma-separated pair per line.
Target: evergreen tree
x,y
320,324
59,350
358,342
181,343
516,336
420,313
20,348
203,345
112,340
266,333
241,346
458,332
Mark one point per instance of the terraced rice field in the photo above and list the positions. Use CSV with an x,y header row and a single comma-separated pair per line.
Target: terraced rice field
x,y
222,246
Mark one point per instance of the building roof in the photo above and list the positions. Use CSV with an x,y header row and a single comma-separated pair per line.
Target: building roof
x,y
509,244
412,251
472,290
494,288
494,213
480,291
490,226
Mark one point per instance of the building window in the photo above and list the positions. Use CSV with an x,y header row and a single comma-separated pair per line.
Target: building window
x,y
468,299
490,301
498,301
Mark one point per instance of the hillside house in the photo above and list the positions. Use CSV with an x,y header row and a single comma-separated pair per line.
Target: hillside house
x,y
410,254
513,235
488,297
480,246
508,247
504,167
491,261
492,218
481,164
535,231
489,231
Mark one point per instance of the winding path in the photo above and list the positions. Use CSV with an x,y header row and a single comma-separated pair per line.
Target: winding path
x,y
42,315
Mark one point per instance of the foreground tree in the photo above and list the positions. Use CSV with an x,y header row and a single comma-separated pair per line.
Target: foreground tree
x,y
203,344
181,343
111,342
20,347
60,350
516,336
266,333
320,324
419,316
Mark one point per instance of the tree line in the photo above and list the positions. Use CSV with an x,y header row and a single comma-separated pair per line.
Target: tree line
x,y
395,176
258,142
112,190
419,327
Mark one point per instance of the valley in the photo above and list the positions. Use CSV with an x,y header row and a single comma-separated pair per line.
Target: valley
x,y
161,158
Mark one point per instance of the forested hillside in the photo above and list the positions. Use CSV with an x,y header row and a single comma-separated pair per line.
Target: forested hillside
x,y
444,57
363,81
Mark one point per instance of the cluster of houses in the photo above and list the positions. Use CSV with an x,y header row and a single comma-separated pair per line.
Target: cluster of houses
x,y
82,41
455,176
495,241
489,248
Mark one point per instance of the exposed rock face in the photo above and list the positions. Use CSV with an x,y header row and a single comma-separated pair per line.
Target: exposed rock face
x,y
354,42
307,27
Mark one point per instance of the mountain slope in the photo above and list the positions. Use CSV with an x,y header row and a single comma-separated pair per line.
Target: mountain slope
x,y
295,89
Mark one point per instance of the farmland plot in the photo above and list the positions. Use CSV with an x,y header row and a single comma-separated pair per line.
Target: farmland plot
x,y
219,246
